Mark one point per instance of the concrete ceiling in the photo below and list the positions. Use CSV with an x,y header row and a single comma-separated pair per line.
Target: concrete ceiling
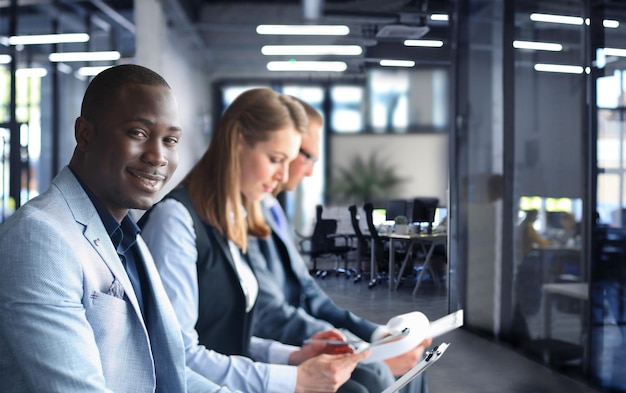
x,y
225,30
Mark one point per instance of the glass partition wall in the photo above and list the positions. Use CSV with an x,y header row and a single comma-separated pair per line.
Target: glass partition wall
x,y
549,292
538,164
607,320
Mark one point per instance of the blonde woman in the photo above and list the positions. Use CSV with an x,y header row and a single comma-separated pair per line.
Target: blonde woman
x,y
198,235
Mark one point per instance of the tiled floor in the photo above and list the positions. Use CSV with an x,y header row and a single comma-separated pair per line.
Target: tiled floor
x,y
472,364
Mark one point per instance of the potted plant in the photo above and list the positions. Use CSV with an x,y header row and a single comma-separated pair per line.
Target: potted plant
x,y
369,179
401,225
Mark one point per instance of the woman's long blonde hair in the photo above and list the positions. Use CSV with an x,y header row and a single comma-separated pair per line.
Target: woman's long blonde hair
x,y
214,182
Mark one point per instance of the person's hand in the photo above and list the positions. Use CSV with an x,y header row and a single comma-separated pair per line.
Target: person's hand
x,y
326,373
319,343
403,363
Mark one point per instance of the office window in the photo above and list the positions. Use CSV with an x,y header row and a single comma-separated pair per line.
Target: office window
x,y
401,101
300,205
346,115
28,116
229,93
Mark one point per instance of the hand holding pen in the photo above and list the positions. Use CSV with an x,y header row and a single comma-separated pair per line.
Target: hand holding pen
x,y
330,342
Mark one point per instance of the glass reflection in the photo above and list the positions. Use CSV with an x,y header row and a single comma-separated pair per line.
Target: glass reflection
x,y
608,267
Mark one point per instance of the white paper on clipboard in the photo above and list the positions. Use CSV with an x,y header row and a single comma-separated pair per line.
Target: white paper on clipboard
x,y
446,324
414,328
418,328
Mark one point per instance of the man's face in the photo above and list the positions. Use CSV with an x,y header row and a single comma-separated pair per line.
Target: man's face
x,y
131,151
304,163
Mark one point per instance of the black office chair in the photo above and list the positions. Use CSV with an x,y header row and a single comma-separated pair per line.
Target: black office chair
x,y
325,242
363,247
380,252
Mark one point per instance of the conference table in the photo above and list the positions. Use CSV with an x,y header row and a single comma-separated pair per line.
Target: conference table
x,y
427,241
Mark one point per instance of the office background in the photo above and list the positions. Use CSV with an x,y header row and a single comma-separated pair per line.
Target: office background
x,y
507,136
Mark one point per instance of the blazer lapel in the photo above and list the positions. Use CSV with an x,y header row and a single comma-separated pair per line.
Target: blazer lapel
x,y
286,240
85,214
223,245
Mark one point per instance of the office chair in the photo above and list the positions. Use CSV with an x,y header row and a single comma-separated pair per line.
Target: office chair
x,y
363,250
380,254
324,242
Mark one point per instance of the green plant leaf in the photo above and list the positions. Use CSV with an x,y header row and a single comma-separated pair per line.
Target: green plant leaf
x,y
364,180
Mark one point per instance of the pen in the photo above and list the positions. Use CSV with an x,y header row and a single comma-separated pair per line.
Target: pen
x,y
329,342
384,340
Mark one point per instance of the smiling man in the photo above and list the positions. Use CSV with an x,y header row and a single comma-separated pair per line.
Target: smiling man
x,y
81,305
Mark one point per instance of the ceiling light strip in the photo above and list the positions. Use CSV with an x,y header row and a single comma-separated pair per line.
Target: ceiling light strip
x,y
5,59
424,43
615,52
532,45
567,69
397,63
549,18
31,72
303,29
439,17
316,66
570,20
84,56
303,50
48,39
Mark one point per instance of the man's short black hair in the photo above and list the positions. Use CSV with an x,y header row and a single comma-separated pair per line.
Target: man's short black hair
x,y
103,89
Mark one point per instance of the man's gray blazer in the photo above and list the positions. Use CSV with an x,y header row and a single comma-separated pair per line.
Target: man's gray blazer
x,y
291,306
62,329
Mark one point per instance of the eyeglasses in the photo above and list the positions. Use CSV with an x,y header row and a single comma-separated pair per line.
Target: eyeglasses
x,y
308,156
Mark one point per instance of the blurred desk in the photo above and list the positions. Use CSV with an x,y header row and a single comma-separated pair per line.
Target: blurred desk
x,y
578,290
428,242
552,255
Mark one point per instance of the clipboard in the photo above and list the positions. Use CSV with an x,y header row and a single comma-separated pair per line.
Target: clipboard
x,y
430,357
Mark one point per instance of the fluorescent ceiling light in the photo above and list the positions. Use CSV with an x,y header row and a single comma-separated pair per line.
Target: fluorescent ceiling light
x,y
568,69
615,52
84,56
5,59
537,46
31,72
48,39
91,71
426,43
303,29
568,20
294,50
397,63
332,66
441,17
